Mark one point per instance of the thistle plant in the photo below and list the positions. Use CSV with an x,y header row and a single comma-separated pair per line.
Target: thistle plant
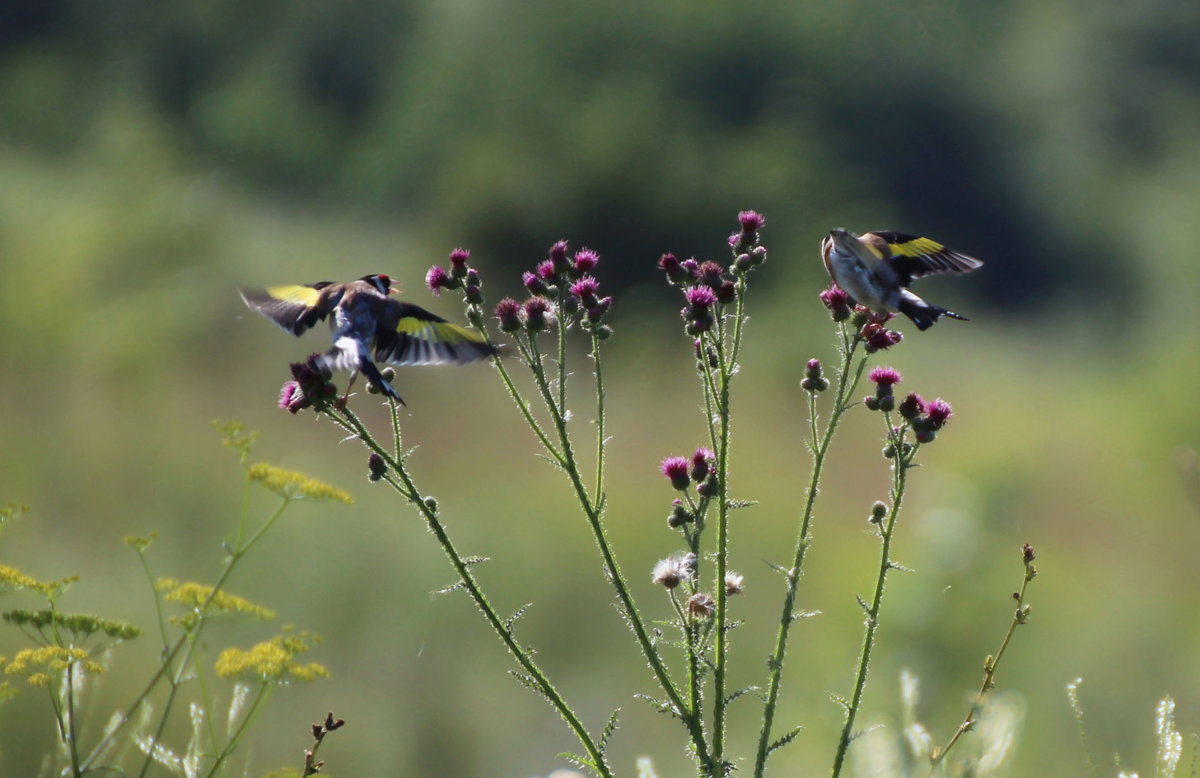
x,y
698,579
68,649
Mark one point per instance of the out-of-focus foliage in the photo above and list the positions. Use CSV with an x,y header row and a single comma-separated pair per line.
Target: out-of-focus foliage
x,y
1025,132
155,155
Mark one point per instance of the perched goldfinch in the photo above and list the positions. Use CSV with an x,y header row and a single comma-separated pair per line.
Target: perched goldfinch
x,y
368,325
875,268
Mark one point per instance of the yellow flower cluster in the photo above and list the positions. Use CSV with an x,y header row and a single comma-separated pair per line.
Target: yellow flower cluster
x,y
195,595
273,661
12,579
39,665
293,486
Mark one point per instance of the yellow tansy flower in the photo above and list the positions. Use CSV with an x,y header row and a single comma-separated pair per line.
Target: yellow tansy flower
x,y
195,595
293,486
273,661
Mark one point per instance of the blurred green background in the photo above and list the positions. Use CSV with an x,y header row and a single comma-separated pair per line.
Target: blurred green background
x,y
154,156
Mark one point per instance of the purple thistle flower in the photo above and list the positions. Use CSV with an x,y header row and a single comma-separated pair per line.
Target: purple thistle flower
x,y
458,262
585,289
508,313
437,279
586,261
291,398
676,471
877,337
691,266
534,284
912,406
701,298
538,312
837,301
702,462
546,270
885,376
752,221
558,257
939,413
711,274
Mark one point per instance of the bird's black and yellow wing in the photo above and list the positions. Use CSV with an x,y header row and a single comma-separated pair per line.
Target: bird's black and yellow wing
x,y
294,307
411,335
915,257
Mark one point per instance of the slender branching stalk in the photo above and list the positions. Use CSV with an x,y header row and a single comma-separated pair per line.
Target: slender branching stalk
x,y
992,662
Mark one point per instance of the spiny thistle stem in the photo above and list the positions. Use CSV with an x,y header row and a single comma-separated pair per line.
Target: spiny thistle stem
x,y
901,463
565,456
407,489
600,441
846,385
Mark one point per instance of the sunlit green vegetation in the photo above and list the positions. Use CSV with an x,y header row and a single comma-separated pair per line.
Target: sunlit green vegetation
x,y
155,156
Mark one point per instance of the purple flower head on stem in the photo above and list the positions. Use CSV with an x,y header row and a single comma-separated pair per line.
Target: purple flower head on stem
x,y
585,261
939,412
458,262
534,284
437,279
751,221
508,313
291,399
585,289
538,313
885,376
711,274
675,469
691,266
912,406
837,301
877,337
701,298
558,256
546,270
702,462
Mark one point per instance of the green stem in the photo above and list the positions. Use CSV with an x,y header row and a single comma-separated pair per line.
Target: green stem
x,y
989,674
169,658
900,466
600,441
72,746
846,384
593,512
407,489
260,700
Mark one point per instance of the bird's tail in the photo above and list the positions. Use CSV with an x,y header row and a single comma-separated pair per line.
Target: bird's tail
x,y
348,354
925,315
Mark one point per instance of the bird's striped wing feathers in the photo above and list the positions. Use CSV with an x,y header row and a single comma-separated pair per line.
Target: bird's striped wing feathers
x,y
294,307
916,257
419,337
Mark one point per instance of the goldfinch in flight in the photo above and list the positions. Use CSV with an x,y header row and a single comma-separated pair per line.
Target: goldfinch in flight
x,y
368,326
875,268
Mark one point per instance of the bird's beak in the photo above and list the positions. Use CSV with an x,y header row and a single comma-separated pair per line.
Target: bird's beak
x,y
394,289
